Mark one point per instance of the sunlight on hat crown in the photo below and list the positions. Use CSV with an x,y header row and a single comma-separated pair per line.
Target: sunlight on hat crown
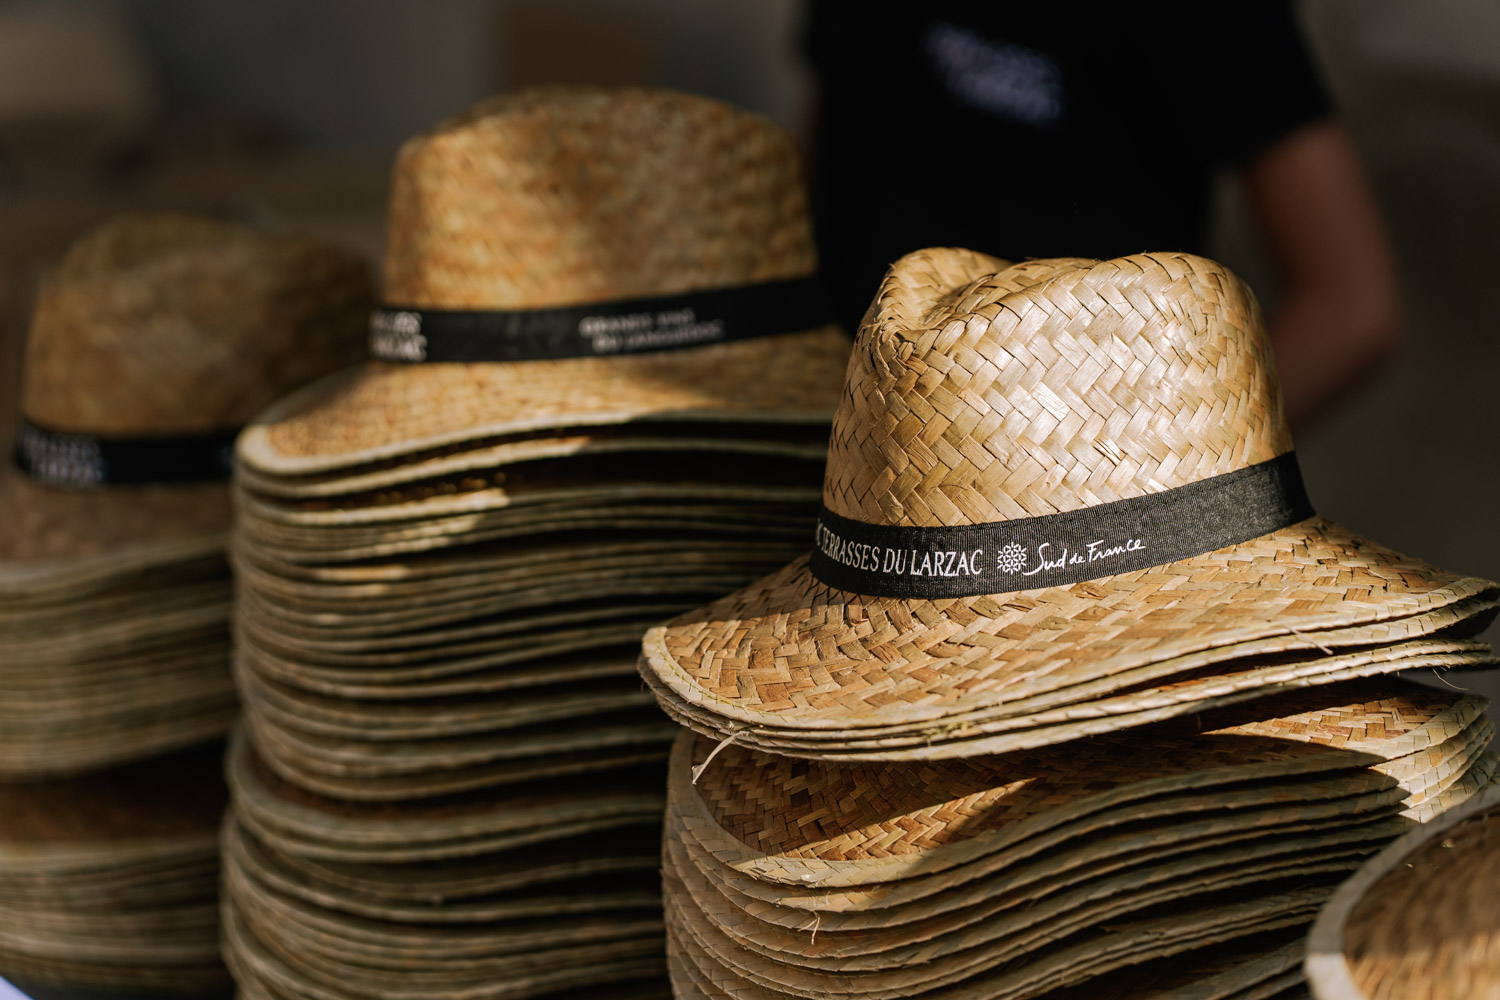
x,y
566,195
982,391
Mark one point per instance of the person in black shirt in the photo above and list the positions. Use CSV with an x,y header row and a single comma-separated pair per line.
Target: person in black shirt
x,y
1093,129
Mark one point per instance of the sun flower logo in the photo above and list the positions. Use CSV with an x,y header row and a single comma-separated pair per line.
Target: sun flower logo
x,y
1012,558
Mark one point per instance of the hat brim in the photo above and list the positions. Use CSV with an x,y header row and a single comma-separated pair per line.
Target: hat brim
x,y
797,442
790,652
76,536
381,410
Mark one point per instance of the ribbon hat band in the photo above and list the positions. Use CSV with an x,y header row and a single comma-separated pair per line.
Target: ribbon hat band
x,y
630,326
1060,549
66,459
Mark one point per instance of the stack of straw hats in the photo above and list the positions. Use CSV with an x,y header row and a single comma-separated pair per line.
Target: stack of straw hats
x,y
1068,488
600,394
110,880
1419,921
1062,524
1015,875
154,341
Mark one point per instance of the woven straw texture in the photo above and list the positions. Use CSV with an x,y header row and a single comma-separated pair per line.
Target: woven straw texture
x,y
980,392
115,601
176,324
861,819
168,324
560,196
1014,876
1419,921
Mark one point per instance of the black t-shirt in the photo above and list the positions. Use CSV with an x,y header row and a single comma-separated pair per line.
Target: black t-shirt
x,y
1039,130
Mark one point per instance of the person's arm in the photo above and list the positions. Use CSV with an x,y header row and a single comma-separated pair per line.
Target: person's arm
x,y
1340,310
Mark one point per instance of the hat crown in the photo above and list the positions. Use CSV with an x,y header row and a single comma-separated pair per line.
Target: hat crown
x,y
556,196
980,391
174,324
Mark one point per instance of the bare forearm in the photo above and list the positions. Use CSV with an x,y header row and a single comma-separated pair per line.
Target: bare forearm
x,y
1340,311
1325,344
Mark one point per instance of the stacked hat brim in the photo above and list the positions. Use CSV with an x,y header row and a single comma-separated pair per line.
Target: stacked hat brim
x,y
108,881
114,624
542,887
402,643
926,679
413,649
445,568
1265,966
155,339
1420,918
1019,875
1060,500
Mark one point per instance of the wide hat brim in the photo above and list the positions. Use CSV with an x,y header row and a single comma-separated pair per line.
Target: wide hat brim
x,y
792,653
997,877
382,411
48,531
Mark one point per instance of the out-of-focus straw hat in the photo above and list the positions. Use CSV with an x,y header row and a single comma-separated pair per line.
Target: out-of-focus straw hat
x,y
579,230
157,338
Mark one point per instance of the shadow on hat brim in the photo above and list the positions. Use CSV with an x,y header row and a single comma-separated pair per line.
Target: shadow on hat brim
x,y
1418,915
810,827
382,410
792,653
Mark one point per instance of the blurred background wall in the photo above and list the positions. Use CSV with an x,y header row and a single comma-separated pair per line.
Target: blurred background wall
x,y
291,110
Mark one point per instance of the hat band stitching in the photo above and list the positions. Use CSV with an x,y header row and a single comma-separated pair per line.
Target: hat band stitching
x,y
61,458
599,329
1060,549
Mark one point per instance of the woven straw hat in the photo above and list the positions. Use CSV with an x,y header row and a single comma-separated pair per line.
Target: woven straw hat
x,y
560,197
154,341
1012,876
159,325
1419,920
984,399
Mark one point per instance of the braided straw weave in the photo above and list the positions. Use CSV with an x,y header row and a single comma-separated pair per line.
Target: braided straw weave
x,y
1419,921
569,195
1012,876
979,392
811,822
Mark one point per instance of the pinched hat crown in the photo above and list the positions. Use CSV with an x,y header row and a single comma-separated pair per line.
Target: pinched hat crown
x,y
164,323
981,391
561,195
1060,499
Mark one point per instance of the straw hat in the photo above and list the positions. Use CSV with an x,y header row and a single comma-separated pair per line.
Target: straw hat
x,y
159,336
1419,920
601,395
571,227
1012,876
1046,481
156,338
